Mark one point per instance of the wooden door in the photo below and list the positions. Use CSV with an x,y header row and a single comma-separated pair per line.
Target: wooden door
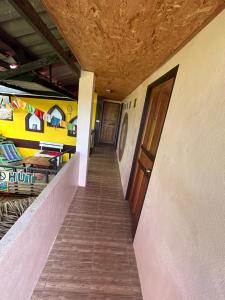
x,y
149,137
110,120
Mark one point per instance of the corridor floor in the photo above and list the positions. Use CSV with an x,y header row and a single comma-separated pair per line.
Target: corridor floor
x,y
92,257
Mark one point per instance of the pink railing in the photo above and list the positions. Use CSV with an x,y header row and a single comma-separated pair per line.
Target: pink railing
x,y
24,249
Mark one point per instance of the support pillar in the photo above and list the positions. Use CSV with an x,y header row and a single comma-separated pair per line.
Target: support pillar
x,y
85,97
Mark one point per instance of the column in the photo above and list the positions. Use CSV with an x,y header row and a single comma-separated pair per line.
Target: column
x,y
85,97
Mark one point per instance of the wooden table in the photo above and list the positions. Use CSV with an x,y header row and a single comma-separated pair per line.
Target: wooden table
x,y
42,162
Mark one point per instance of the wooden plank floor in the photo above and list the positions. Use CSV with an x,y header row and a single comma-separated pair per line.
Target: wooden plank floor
x,y
93,258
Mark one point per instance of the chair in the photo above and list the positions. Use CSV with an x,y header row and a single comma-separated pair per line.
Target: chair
x,y
56,150
3,160
10,152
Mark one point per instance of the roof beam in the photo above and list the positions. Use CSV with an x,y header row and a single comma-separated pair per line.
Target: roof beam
x,y
4,64
37,78
32,17
52,86
31,66
15,48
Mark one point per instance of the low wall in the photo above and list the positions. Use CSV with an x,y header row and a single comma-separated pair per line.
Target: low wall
x,y
24,249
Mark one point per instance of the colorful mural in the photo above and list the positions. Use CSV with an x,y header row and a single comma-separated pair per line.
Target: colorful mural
x,y
16,128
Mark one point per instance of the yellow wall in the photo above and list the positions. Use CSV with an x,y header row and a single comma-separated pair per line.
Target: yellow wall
x,y
94,108
16,128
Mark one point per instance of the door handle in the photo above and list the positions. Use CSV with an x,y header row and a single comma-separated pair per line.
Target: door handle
x,y
148,171
145,170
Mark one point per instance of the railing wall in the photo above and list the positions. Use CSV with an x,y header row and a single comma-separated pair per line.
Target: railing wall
x,y
24,249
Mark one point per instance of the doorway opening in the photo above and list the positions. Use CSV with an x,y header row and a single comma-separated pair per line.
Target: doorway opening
x,y
152,122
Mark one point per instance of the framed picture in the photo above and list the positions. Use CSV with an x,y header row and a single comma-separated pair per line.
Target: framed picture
x,y
33,123
58,113
5,113
73,132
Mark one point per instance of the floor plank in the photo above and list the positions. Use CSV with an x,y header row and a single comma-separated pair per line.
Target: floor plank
x,y
92,257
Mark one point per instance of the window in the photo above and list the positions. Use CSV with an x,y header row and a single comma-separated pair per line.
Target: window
x,y
33,123
74,122
56,112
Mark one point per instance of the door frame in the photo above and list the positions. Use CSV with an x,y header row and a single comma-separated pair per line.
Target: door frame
x,y
169,75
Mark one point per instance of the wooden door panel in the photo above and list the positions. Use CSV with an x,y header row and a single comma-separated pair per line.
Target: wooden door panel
x,y
146,161
139,195
110,120
160,115
149,126
107,134
142,175
149,140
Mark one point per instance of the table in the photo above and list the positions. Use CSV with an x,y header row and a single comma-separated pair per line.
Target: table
x,y
42,162
38,162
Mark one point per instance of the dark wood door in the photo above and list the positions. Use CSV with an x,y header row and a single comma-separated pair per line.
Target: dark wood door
x,y
156,110
110,120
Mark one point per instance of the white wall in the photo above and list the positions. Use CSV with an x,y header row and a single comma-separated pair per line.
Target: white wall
x,y
85,101
180,240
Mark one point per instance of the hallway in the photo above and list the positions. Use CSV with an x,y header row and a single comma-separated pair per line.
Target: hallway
x,y
93,257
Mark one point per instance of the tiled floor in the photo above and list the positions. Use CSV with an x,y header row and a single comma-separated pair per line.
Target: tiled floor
x,y
93,258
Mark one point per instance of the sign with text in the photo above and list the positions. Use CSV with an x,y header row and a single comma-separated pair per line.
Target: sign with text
x,y
3,186
16,177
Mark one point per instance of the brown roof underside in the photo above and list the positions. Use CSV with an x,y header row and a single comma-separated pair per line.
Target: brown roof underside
x,y
124,41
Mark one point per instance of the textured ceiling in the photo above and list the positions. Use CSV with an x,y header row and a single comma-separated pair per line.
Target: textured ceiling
x,y
124,41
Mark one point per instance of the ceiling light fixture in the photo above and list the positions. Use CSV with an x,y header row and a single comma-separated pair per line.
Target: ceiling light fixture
x,y
108,91
13,66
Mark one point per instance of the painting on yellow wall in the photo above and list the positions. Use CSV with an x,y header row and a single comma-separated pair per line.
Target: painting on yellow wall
x,y
56,115
6,112
33,123
73,131
16,130
66,135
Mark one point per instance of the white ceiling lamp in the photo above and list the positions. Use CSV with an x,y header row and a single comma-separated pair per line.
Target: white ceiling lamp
x,y
13,66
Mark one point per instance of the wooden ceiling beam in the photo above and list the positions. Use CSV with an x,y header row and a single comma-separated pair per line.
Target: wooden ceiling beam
x,y
45,82
21,54
28,67
32,17
4,64
40,79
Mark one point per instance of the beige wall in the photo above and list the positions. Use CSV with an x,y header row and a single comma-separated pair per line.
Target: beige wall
x,y
180,241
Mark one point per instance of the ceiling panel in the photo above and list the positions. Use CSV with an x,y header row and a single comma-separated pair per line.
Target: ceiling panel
x,y
123,41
